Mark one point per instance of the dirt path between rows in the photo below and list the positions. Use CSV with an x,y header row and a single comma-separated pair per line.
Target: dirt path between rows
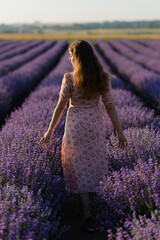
x,y
75,233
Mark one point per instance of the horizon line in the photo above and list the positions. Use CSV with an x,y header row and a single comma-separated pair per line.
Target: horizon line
x,y
68,23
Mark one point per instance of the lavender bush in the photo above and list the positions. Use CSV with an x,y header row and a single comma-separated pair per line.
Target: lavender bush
x,y
27,165
19,83
25,215
126,103
10,46
139,48
115,81
151,43
21,49
141,56
138,228
34,174
4,43
132,188
142,143
17,61
128,193
145,81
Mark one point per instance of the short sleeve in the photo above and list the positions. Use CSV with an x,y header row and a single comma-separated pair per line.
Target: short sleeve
x,y
107,98
65,87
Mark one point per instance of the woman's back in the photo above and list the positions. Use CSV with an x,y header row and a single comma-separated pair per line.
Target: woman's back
x,y
77,99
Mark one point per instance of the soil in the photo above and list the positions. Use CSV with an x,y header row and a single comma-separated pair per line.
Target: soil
x,y
75,232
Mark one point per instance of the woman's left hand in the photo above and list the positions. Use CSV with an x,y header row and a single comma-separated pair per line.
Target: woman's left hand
x,y
46,139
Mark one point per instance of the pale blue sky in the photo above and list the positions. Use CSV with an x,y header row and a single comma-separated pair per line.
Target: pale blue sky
x,y
69,11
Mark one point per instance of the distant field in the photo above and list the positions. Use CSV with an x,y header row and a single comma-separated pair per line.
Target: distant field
x,y
87,34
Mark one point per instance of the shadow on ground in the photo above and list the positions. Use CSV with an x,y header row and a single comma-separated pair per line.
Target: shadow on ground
x,y
74,220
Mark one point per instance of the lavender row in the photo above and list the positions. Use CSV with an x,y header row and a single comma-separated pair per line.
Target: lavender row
x,y
128,184
16,85
10,46
146,122
146,82
17,61
126,102
116,82
121,99
32,172
139,48
145,57
152,64
152,43
34,166
129,195
55,76
28,125
20,50
5,43
120,209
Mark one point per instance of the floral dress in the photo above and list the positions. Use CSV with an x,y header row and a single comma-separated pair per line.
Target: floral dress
x,y
83,151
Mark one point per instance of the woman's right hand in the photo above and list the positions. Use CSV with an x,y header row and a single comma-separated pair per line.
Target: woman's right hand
x,y
122,141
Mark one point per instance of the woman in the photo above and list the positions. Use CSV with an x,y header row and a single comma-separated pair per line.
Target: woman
x,y
84,155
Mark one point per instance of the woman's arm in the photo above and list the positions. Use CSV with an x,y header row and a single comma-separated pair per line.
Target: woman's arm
x,y
46,139
112,112
57,114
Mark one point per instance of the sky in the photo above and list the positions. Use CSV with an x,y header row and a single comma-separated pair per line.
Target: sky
x,y
77,11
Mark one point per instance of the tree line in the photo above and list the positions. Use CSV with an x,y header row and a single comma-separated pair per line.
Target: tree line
x,y
38,27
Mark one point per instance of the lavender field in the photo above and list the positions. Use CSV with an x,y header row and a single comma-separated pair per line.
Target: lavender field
x,y
33,199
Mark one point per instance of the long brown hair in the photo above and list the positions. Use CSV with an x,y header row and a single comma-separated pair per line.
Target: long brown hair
x,y
88,74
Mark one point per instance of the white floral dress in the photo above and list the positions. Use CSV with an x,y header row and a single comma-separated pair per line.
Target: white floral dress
x,y
84,153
